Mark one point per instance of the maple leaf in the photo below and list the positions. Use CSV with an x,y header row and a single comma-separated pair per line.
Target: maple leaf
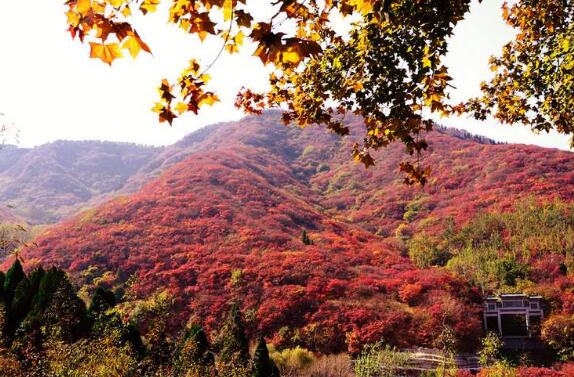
x,y
227,10
167,116
105,52
116,3
73,18
291,56
181,108
134,45
83,6
208,99
149,6
127,11
243,18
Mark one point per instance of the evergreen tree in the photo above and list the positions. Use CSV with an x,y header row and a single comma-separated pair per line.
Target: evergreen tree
x,y
133,337
4,339
35,277
305,238
159,351
194,357
65,315
102,301
2,280
233,344
21,302
262,365
48,285
14,275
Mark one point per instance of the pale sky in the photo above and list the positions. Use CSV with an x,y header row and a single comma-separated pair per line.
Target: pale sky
x,y
51,90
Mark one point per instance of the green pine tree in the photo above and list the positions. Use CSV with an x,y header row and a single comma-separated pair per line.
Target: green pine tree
x,y
102,300
4,339
159,350
262,365
233,345
194,357
48,285
2,280
14,275
305,238
65,316
21,302
35,277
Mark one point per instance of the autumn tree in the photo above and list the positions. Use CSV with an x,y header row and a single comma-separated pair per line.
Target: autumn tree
x,y
490,350
388,68
533,78
558,333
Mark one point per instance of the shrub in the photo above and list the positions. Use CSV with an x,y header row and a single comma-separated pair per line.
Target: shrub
x,y
499,369
558,333
291,361
490,351
379,361
424,252
331,366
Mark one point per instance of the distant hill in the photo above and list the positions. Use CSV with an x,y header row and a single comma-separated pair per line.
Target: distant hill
x,y
51,181
221,216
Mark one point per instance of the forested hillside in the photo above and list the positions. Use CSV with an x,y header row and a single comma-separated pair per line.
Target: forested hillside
x,y
315,247
46,183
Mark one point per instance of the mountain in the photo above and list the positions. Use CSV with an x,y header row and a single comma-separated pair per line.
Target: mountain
x,y
46,183
222,217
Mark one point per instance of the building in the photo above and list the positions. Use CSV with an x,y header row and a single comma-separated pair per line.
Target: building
x,y
513,315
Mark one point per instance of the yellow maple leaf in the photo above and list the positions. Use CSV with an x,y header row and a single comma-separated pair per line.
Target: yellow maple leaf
x,y
83,6
184,24
363,6
227,10
98,7
181,108
132,45
208,99
105,52
232,48
158,107
73,18
127,11
116,3
292,56
149,6
239,38
205,78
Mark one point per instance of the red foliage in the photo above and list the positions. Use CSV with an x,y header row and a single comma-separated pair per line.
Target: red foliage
x,y
238,204
540,372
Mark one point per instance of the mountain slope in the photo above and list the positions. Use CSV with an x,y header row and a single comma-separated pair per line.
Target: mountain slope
x,y
44,184
224,223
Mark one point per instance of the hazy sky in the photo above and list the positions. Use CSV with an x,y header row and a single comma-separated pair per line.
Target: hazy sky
x,y
51,90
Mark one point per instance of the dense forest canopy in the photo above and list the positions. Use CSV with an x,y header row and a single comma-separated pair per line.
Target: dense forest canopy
x,y
389,68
